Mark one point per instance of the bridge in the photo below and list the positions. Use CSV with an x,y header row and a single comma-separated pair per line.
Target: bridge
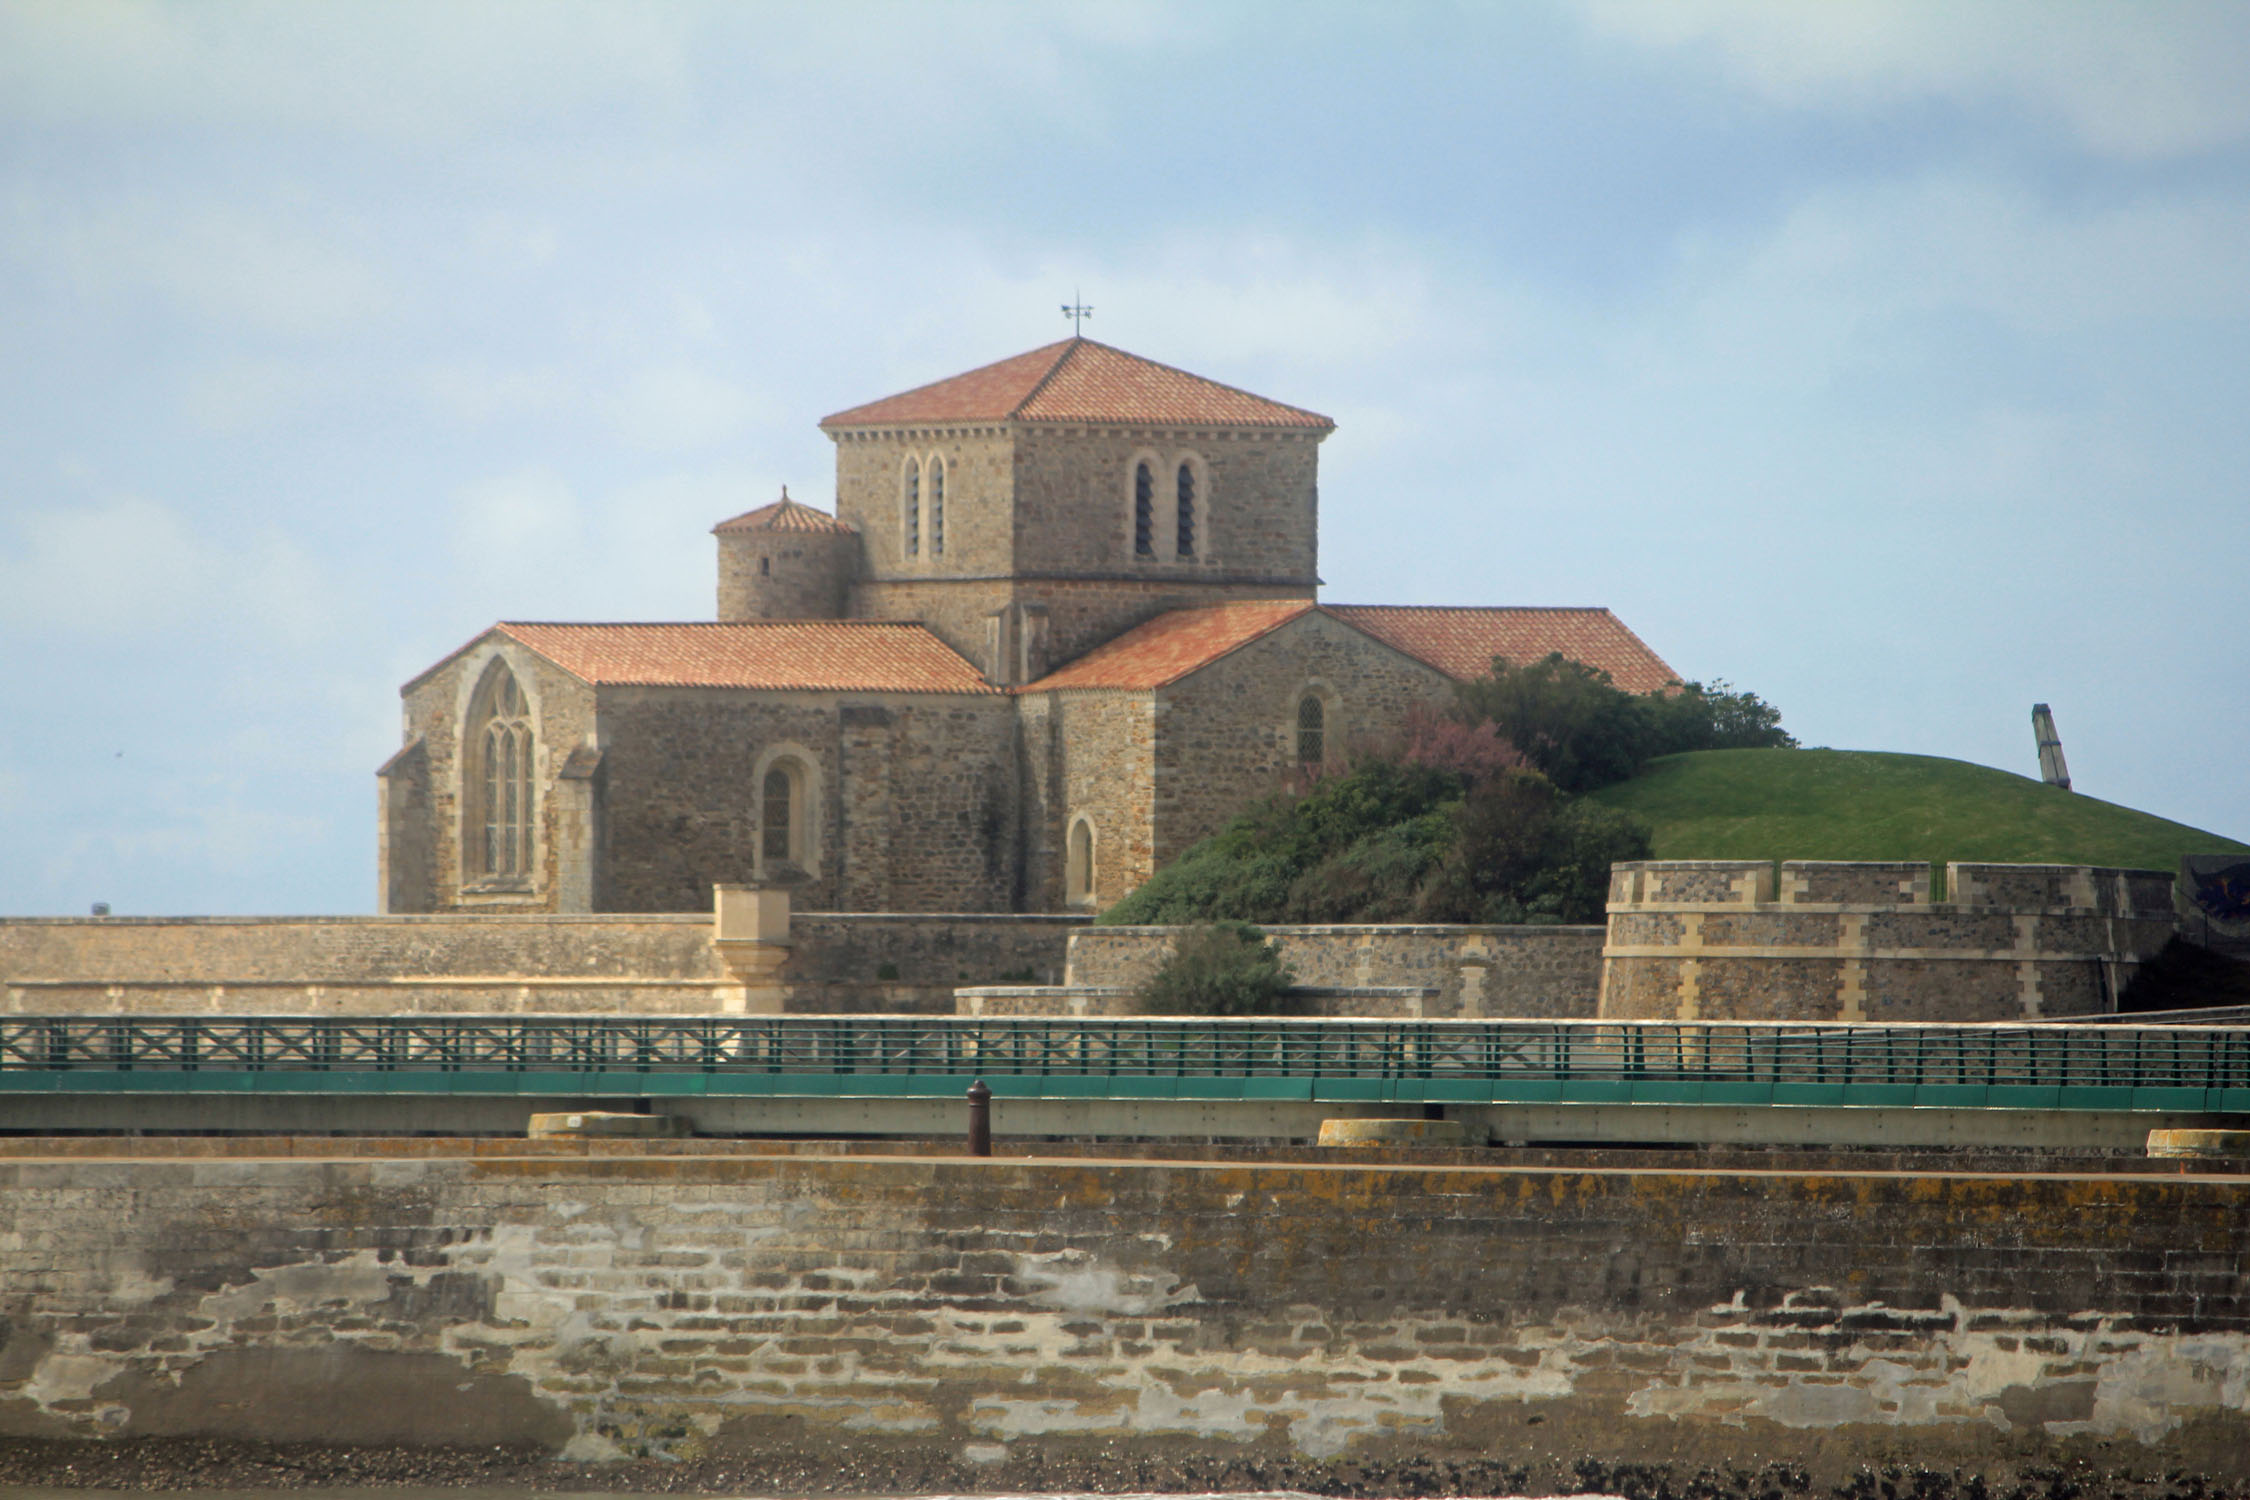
x,y
2074,1084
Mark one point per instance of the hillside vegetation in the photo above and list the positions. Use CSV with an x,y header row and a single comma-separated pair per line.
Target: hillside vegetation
x,y
1866,804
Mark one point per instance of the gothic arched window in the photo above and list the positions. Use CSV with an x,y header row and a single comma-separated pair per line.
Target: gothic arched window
x,y
937,507
1144,511
1078,865
1185,489
502,781
1312,730
910,509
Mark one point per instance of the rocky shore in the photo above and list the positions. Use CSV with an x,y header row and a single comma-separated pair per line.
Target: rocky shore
x,y
152,1464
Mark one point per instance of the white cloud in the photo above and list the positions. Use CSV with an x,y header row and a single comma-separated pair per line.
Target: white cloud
x,y
475,392
2130,81
225,266
413,68
117,564
674,407
513,532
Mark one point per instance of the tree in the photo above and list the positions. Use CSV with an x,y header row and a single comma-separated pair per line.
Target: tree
x,y
1583,731
1219,969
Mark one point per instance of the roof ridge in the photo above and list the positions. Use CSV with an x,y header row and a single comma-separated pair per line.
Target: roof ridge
x,y
1070,352
1237,390
1576,609
942,380
705,624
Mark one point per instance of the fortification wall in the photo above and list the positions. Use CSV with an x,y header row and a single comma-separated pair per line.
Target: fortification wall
x,y
1715,940
1528,972
846,1306
657,964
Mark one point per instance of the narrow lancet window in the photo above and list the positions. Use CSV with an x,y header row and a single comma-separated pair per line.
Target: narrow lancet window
x,y
937,507
1312,731
910,509
1078,865
1144,511
504,750
1186,535
780,815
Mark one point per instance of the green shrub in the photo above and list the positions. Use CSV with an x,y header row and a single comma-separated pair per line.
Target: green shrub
x,y
1219,969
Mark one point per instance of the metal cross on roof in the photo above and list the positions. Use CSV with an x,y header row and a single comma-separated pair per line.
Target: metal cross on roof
x,y
1078,312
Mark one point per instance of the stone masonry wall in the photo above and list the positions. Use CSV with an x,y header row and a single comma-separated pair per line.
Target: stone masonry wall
x,y
1707,939
1103,768
647,965
1228,733
923,822
1513,972
786,575
691,1303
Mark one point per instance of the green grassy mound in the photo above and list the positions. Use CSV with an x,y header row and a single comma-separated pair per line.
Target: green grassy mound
x,y
1865,804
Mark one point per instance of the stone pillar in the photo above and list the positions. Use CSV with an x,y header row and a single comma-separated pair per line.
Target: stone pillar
x,y
750,931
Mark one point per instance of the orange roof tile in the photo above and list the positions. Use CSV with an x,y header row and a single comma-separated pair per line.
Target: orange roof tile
x,y
784,514
820,655
1172,645
1462,642
1079,380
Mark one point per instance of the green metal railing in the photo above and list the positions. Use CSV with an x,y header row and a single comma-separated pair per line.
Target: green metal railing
x,y
2190,1068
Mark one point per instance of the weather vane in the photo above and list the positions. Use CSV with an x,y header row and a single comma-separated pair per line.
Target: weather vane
x,y
1078,312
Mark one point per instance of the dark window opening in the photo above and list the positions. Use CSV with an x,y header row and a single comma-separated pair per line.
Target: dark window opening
x,y
937,507
1144,511
1187,511
1312,731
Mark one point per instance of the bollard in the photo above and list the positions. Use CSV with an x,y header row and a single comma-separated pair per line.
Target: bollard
x,y
980,1119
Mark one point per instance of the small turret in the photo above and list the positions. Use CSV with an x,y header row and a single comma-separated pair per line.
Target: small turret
x,y
785,561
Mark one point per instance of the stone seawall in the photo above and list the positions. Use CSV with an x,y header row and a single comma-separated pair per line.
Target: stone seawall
x,y
697,1303
1533,973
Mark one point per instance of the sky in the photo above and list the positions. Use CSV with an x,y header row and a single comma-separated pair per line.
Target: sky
x,y
1888,361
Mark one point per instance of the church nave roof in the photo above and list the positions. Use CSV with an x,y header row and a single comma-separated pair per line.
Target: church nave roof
x,y
871,656
1079,380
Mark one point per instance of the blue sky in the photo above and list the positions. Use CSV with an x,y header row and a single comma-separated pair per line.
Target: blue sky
x,y
1889,361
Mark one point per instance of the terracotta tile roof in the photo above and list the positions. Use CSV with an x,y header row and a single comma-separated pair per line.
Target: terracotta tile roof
x,y
1462,642
1172,645
784,514
1079,380
821,655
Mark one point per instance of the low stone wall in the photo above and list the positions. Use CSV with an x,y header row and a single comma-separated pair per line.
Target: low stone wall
x,y
1401,1001
484,965
1719,940
1528,972
838,1307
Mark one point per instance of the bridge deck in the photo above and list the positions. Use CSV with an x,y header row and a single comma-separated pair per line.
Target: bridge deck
x,y
2003,1066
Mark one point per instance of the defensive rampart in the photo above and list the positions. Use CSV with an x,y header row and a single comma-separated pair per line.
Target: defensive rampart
x,y
406,965
1714,940
696,1302
1532,973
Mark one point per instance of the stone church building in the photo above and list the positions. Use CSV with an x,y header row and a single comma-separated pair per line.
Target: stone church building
x,y
1062,624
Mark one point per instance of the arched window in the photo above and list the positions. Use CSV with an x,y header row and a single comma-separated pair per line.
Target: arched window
x,y
1185,537
1078,865
502,752
937,507
1144,511
781,840
910,509
1312,731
